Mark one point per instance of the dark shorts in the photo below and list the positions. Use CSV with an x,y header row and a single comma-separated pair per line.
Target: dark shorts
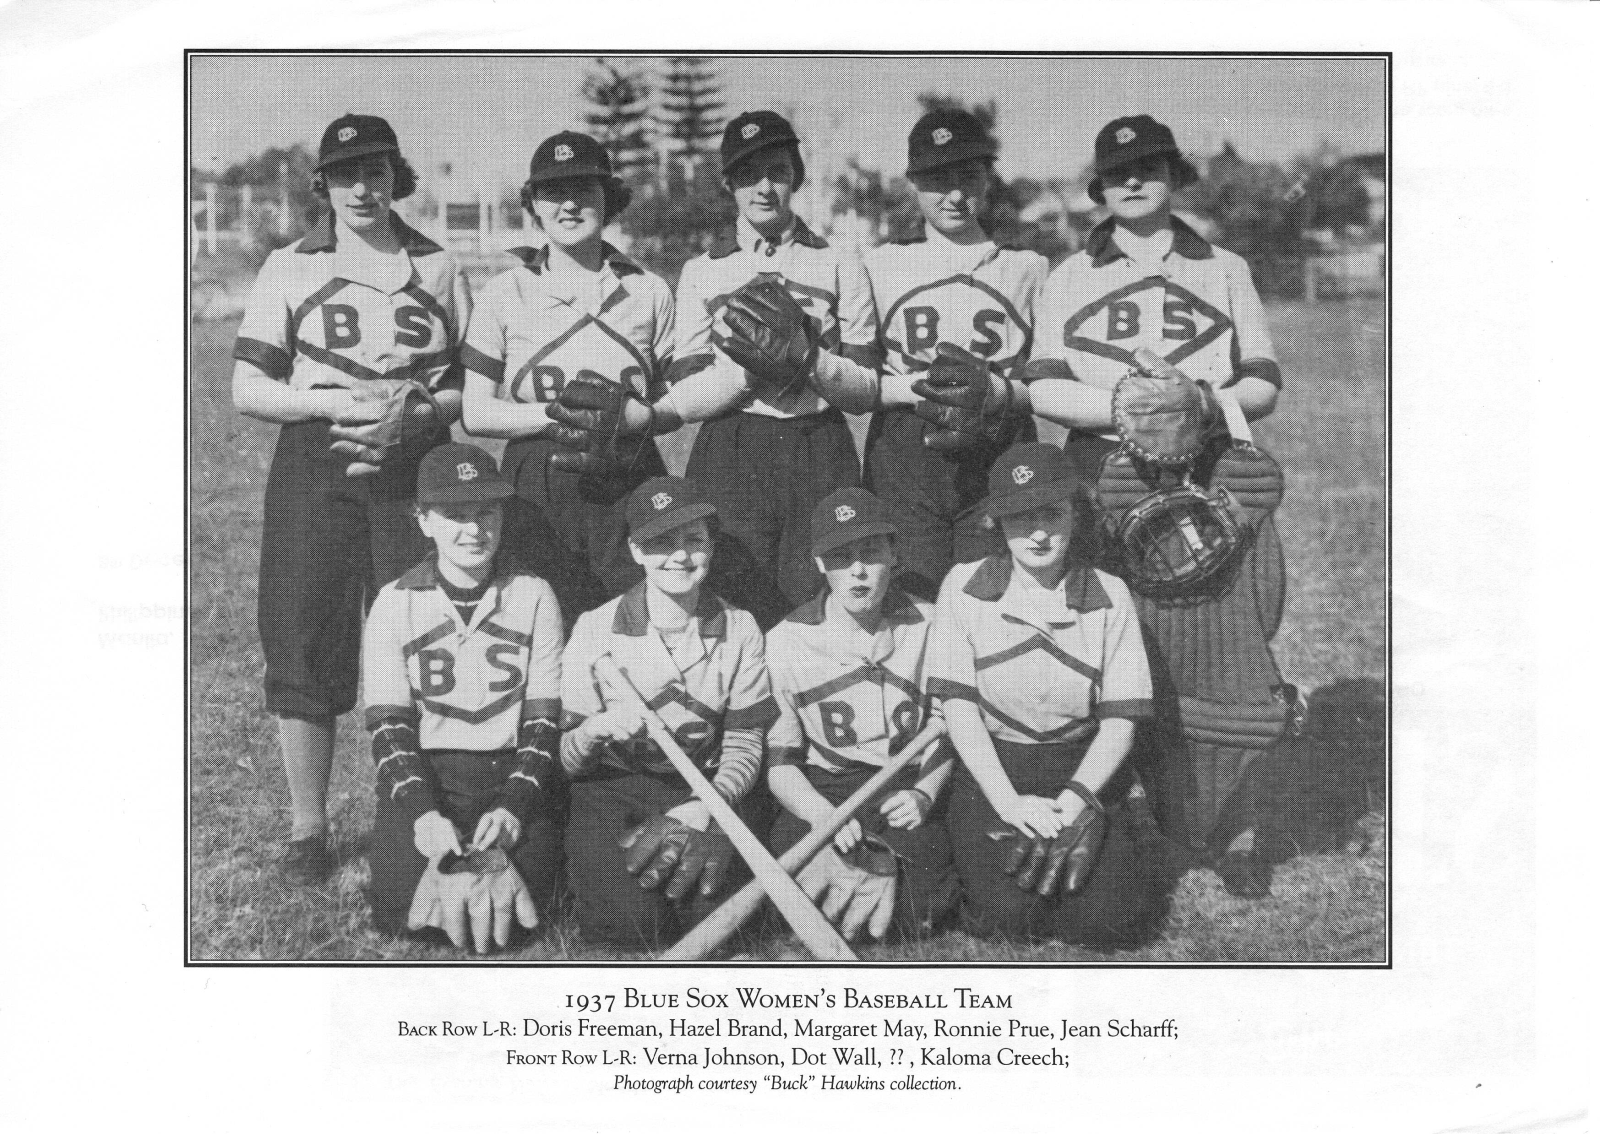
x,y
572,530
611,907
927,890
934,498
765,475
1124,896
466,783
328,543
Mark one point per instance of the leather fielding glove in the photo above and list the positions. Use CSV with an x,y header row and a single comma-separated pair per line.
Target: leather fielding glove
x,y
480,893
1067,860
854,890
371,430
590,416
770,336
958,401
662,846
1161,414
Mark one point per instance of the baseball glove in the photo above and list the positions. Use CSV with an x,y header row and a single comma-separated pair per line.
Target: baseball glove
x,y
662,846
590,416
960,404
370,431
770,335
1162,414
485,898
1068,859
855,889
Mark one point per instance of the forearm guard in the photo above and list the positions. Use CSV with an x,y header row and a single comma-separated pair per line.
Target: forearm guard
x,y
404,778
538,765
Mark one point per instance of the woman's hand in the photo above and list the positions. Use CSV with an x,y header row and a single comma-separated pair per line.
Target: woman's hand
x,y
1069,804
434,836
612,726
497,828
906,809
692,813
1034,815
847,837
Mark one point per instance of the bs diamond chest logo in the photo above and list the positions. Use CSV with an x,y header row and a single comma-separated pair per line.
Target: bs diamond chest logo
x,y
588,344
961,310
1154,312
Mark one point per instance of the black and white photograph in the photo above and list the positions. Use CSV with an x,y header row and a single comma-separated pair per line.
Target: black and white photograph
x,y
698,567
621,483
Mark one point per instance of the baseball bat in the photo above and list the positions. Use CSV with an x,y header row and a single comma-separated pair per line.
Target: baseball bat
x,y
722,922
814,930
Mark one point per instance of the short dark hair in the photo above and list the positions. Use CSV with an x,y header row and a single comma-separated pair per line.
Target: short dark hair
x,y
405,178
1184,174
791,148
617,194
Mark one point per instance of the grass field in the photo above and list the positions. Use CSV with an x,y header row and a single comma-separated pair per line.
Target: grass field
x,y
1325,793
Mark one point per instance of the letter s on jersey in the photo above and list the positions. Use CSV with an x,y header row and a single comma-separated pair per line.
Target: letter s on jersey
x,y
415,328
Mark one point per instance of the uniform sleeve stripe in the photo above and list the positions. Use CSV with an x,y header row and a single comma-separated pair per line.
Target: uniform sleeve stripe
x,y
763,714
476,361
951,690
275,362
376,714
1138,709
542,708
785,757
1263,368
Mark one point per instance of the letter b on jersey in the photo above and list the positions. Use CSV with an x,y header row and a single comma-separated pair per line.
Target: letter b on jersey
x,y
1122,320
438,672
341,326
837,717
922,328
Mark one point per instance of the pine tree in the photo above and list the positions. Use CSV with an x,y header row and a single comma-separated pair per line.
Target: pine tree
x,y
618,122
690,116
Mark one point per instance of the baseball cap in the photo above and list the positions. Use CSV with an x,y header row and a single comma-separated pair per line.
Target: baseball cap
x,y
569,154
944,137
754,130
845,516
663,503
1123,141
353,136
453,473
1028,476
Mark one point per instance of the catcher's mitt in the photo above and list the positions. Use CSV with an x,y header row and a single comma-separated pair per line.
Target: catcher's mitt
x,y
1176,539
1162,414
590,417
662,846
370,431
959,402
770,336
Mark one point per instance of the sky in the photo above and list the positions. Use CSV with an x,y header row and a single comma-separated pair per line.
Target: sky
x,y
485,114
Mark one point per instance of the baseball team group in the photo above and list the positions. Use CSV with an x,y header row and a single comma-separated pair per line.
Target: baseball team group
x,y
958,678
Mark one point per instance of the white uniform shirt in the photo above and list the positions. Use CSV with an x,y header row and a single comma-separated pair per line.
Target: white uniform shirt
x,y
830,283
322,316
718,682
1197,308
838,707
1042,667
978,297
530,333
467,685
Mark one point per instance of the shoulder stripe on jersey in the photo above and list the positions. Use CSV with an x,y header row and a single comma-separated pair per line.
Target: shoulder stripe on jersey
x,y
1080,729
275,362
763,715
431,304
470,716
312,302
505,634
1133,709
476,361
865,674
970,281
1038,642
945,689
423,641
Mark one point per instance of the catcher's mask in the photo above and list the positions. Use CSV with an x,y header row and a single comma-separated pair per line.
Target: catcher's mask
x,y
1175,539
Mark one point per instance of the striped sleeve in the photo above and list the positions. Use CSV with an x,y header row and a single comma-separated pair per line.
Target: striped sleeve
x,y
264,339
951,672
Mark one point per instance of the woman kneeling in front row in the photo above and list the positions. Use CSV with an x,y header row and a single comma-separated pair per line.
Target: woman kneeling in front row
x,y
1039,660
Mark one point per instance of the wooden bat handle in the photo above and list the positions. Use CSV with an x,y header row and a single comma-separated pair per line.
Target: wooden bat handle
x,y
731,914
814,930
